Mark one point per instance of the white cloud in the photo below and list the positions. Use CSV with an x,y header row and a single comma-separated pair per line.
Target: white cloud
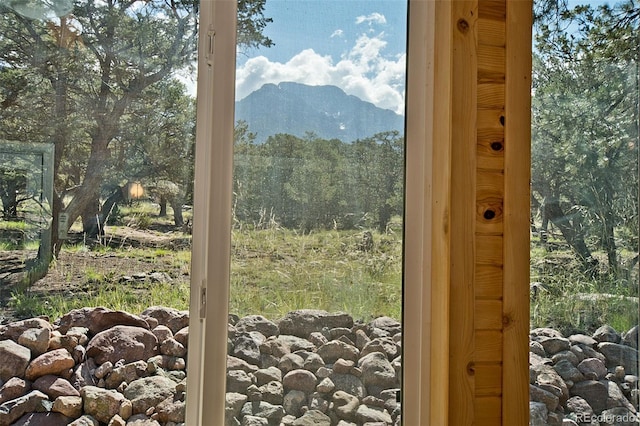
x,y
374,18
363,72
337,33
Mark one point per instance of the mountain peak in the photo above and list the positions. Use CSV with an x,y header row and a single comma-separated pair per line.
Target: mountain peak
x,y
327,111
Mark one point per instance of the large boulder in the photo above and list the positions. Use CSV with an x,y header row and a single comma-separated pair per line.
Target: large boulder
x,y
123,342
303,322
98,319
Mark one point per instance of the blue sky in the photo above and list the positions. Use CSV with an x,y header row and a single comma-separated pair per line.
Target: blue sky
x,y
357,45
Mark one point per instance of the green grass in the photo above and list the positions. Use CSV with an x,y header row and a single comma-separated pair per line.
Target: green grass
x,y
573,302
275,271
117,297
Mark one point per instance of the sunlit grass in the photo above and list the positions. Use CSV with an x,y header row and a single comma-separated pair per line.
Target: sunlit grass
x,y
571,301
275,271
121,297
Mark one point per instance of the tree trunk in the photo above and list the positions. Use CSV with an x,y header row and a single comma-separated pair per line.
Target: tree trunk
x,y
163,207
575,240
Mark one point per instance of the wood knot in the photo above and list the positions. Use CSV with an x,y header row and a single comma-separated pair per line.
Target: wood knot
x,y
471,369
463,26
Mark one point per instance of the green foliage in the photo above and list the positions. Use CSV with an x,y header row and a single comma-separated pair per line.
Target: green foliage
x,y
567,299
311,183
585,129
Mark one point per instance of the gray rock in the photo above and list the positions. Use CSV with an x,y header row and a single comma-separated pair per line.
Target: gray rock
x,y
15,359
182,336
290,362
568,371
141,420
349,384
85,420
606,333
171,409
582,339
546,375
538,414
233,405
366,414
123,342
172,347
170,317
273,413
377,372
294,400
303,322
36,339
593,369
541,395
247,348
294,343
594,392
385,345
565,355
616,398
254,421
554,345
345,405
267,375
70,406
101,404
623,355
312,361
257,323
238,381
618,416
580,406
302,380
12,410
313,418
318,402
272,392
630,338
14,388
537,348
388,324
336,349
13,330
148,392
126,373
234,363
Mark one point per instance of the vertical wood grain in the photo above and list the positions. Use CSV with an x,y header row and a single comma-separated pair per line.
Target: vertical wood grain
x,y
440,176
463,212
516,244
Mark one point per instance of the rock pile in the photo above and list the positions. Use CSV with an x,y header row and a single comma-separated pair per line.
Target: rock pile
x,y
96,366
583,380
313,368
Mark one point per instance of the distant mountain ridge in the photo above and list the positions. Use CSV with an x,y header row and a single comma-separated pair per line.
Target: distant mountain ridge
x,y
327,111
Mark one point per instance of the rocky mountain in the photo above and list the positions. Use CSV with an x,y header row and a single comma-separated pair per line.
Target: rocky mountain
x,y
327,111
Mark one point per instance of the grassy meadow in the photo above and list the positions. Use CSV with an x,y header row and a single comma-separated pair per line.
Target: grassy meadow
x,y
273,271
276,270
